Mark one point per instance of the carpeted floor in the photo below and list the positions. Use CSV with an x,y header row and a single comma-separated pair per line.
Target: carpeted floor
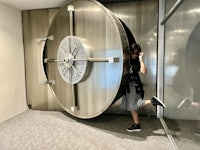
x,y
51,130
186,133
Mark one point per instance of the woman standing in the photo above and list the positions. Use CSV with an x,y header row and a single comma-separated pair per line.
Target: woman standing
x,y
133,98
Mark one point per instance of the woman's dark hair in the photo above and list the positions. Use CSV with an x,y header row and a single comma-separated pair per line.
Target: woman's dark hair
x,y
135,46
135,62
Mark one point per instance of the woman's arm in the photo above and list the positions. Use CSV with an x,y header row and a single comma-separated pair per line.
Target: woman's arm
x,y
143,68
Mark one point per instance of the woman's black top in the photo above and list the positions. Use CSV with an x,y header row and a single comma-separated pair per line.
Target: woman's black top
x,y
135,77
133,68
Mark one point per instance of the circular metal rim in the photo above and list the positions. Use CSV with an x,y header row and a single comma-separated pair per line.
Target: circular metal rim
x,y
113,20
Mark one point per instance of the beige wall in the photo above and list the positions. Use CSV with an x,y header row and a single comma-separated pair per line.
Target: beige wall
x,y
12,73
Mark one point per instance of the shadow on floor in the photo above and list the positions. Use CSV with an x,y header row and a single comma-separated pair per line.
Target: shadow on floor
x,y
117,124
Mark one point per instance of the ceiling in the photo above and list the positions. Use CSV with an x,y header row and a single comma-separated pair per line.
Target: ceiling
x,y
33,4
41,4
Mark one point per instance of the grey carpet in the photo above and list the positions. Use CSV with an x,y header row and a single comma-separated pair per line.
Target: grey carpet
x,y
186,133
51,130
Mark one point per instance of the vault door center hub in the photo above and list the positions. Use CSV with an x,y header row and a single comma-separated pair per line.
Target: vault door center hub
x,y
68,61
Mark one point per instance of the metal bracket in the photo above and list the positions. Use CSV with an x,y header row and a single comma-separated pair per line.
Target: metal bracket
x,y
70,7
46,60
113,59
109,60
44,38
74,108
48,82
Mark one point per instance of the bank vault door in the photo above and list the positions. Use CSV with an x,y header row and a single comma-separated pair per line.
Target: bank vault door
x,y
84,60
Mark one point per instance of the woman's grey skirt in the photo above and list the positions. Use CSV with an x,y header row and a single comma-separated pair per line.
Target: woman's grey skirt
x,y
131,101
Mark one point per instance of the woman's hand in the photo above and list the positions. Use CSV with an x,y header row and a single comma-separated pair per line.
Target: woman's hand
x,y
141,56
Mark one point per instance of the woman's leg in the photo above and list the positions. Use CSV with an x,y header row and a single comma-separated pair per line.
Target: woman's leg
x,y
135,117
136,124
147,102
155,101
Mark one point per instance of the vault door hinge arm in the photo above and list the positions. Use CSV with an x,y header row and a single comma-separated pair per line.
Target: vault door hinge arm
x,y
74,106
70,8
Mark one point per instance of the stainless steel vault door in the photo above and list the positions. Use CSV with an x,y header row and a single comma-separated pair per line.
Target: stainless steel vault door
x,y
85,58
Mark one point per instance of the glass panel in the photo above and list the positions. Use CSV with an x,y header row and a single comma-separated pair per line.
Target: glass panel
x,y
182,72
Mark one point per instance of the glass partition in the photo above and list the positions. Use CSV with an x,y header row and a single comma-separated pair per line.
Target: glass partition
x,y
182,72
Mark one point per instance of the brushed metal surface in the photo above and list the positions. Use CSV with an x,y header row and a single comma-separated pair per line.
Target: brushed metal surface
x,y
105,37
35,25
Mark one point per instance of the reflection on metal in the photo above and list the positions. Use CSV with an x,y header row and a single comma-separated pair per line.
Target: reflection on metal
x,y
182,61
171,11
192,62
106,41
185,103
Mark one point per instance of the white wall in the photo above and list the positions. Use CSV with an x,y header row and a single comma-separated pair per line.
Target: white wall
x,y
12,73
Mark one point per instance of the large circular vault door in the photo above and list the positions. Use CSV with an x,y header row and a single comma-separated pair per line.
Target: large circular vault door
x,y
83,59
